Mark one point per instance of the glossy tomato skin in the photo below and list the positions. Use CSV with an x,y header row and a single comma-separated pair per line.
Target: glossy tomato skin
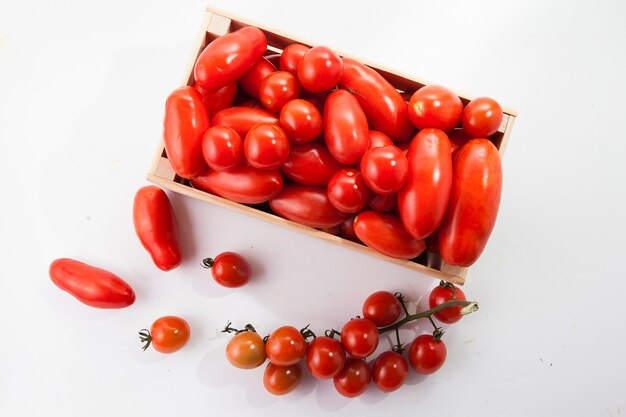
x,y
185,122
347,191
482,117
222,148
383,203
231,270
427,355
291,57
266,146
169,334
92,286
474,203
384,106
345,127
307,205
385,233
229,57
379,139
301,121
319,69
384,169
441,294
382,308
423,199
246,350
286,346
360,337
155,225
389,371
435,106
277,89
354,378
217,99
244,184
281,380
310,164
250,82
241,119
325,357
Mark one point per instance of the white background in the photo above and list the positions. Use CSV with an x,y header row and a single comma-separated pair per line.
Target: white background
x,y
82,88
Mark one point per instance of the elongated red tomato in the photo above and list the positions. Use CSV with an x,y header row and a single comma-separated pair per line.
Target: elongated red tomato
x,y
155,225
228,57
385,233
345,127
185,122
474,203
243,184
385,108
219,98
307,205
310,164
241,119
90,285
250,82
423,199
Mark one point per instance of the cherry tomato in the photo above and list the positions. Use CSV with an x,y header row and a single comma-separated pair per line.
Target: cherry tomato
x,y
266,146
222,148
291,57
458,138
441,294
383,203
229,269
167,335
382,308
379,139
285,346
243,184
385,108
345,127
277,89
427,355
301,121
435,106
229,57
319,69
90,285
384,169
185,122
281,380
307,205
482,117
389,371
310,164
241,119
250,82
360,337
354,378
346,230
219,98
325,357
347,191
423,199
155,225
474,202
385,233
246,350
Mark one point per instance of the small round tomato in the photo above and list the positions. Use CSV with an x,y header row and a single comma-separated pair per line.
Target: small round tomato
x,y
442,293
382,308
360,337
291,57
347,191
435,106
482,117
167,334
277,89
246,350
354,378
319,69
266,146
286,346
389,371
222,148
384,169
301,121
379,139
383,203
325,357
229,269
250,82
426,354
281,380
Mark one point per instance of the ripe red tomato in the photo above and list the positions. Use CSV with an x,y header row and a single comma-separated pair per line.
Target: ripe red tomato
x,y
385,233
241,119
250,82
222,148
185,122
277,89
217,99
435,106
379,139
243,184
346,230
384,169
382,308
353,379
90,285
310,164
441,294
383,203
347,191
285,346
281,380
155,225
246,350
266,146
389,371
426,354
319,69
482,117
229,269
301,121
229,57
360,337
345,127
307,205
291,57
325,357
474,202
423,199
167,335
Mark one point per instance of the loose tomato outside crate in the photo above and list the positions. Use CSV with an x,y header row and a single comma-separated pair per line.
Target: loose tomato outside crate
x,y
217,23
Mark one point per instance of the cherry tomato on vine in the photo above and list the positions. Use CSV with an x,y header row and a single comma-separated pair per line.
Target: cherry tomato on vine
x,y
246,350
347,191
277,89
291,57
281,380
482,117
353,378
360,337
384,169
222,148
426,354
389,371
442,293
435,106
250,82
301,121
167,334
229,269
286,346
266,146
382,308
325,357
319,69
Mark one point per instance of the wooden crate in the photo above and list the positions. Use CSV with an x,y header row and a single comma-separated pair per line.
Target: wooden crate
x,y
217,23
